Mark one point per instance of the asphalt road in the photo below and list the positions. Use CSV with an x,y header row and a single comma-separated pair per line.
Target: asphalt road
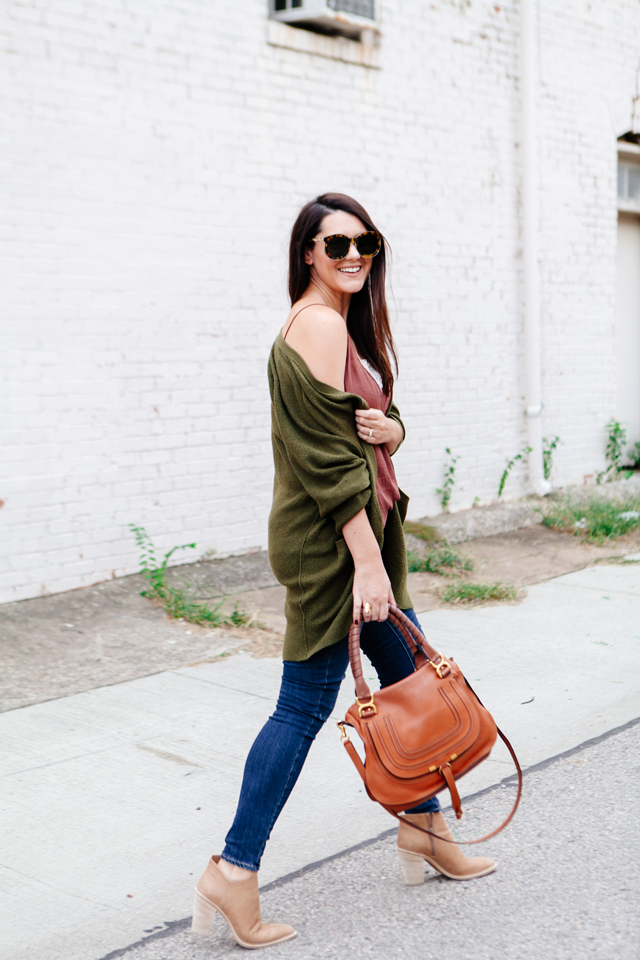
x,y
567,887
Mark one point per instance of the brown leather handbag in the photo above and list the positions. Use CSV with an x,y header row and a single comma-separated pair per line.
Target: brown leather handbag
x,y
421,734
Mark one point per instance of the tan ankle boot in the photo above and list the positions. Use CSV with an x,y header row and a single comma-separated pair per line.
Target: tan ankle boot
x,y
415,847
239,903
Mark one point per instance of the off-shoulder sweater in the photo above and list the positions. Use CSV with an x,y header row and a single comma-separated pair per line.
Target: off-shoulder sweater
x,y
324,475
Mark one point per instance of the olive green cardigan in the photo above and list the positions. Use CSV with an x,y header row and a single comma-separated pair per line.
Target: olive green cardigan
x,y
324,475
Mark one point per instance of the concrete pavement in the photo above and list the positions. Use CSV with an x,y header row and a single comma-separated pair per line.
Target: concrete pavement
x,y
113,799
566,887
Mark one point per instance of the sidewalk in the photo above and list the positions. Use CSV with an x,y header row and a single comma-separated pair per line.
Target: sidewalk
x,y
565,889
114,798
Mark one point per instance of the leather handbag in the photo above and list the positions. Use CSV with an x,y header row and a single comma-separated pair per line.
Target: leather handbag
x,y
421,734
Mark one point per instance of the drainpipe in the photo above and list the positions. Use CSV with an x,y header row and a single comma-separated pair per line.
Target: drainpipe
x,y
531,272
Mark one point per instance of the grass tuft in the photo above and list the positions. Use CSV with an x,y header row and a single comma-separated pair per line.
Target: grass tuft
x,y
465,591
596,520
423,531
440,559
176,601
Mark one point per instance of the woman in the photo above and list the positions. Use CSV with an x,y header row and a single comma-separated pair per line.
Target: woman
x,y
335,542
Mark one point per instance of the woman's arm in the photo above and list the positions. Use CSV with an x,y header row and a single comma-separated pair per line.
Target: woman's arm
x,y
370,581
319,335
384,430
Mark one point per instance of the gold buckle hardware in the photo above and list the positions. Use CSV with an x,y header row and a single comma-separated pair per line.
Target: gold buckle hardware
x,y
344,737
447,764
440,666
367,706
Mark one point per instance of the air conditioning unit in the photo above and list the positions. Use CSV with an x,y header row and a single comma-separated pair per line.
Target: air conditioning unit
x,y
348,18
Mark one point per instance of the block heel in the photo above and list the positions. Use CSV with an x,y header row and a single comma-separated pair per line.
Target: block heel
x,y
437,848
204,915
238,903
412,867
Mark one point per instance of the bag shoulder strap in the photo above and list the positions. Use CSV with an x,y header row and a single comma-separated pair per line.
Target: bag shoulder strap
x,y
353,753
493,832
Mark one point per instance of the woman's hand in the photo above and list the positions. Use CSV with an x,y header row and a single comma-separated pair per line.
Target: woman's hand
x,y
372,592
374,427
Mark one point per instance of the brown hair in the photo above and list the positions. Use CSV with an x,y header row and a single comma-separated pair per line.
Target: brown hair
x,y
368,317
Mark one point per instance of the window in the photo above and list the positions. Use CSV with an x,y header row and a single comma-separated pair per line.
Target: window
x,y
629,183
355,19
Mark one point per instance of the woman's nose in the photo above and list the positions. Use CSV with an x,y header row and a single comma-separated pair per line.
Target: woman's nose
x,y
353,252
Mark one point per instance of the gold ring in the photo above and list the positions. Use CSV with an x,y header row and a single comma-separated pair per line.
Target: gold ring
x,y
367,608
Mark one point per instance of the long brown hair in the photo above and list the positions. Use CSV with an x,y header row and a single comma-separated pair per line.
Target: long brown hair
x,y
368,317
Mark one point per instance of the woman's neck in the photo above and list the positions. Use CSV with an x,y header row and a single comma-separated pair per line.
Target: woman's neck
x,y
333,298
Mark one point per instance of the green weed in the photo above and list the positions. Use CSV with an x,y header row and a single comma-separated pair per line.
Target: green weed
x,y
510,465
616,440
421,530
465,591
549,444
446,489
176,601
634,455
440,559
596,520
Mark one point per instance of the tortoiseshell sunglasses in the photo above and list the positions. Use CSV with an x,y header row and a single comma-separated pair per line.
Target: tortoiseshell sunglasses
x,y
337,246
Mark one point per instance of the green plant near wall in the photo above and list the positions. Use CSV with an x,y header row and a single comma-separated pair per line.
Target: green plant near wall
x,y
510,465
634,455
446,489
596,520
154,572
175,601
549,444
614,452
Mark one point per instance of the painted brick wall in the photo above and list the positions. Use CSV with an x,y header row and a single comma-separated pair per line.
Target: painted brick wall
x,y
156,155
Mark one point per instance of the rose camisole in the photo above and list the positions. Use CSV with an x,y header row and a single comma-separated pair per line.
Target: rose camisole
x,y
358,380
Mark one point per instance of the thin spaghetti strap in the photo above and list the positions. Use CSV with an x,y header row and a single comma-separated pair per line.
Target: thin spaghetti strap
x,y
300,311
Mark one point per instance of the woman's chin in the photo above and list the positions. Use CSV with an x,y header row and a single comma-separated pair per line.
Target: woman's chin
x,y
350,284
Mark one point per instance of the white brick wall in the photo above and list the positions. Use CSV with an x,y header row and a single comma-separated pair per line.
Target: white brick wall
x,y
156,155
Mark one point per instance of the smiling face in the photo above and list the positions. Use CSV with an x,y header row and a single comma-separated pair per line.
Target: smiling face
x,y
339,276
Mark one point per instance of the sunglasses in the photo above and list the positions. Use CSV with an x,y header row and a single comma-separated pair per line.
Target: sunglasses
x,y
337,246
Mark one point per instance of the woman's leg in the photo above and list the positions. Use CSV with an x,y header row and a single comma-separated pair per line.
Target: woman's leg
x,y
307,696
389,653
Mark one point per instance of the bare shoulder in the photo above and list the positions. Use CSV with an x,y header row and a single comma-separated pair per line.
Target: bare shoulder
x,y
306,319
319,335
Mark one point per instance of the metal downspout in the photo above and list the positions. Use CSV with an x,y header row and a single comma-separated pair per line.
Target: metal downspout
x,y
528,43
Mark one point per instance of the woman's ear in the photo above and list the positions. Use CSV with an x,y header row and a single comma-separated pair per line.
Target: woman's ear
x,y
308,259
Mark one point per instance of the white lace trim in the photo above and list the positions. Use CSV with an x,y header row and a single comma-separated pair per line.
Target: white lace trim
x,y
372,370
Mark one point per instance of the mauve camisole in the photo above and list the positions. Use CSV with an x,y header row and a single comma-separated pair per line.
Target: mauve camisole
x,y
358,380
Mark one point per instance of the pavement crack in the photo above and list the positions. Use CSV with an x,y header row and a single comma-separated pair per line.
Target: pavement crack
x,y
165,755
55,763
597,589
224,686
59,889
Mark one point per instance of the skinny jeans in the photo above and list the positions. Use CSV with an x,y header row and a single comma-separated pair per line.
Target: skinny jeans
x,y
308,694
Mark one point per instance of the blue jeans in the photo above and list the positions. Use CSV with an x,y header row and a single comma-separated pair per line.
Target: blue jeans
x,y
308,694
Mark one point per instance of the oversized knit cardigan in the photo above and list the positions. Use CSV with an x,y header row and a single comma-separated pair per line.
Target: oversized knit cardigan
x,y
324,475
